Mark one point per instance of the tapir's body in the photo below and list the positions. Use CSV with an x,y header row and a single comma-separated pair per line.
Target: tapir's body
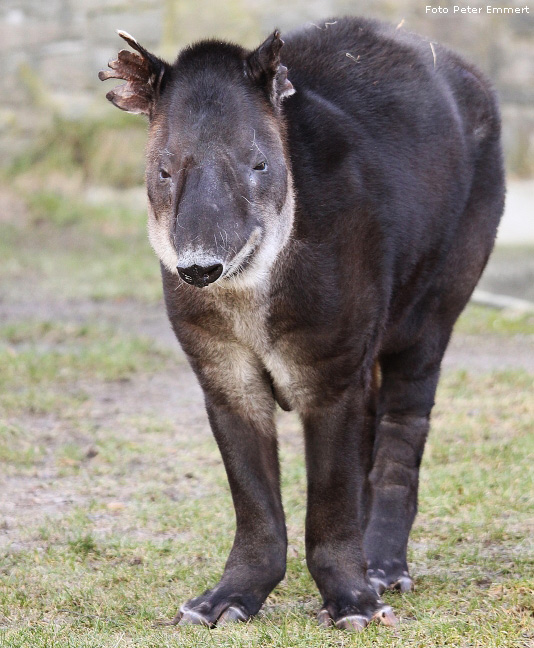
x,y
324,271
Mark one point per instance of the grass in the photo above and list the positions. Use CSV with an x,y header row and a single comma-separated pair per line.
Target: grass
x,y
56,242
100,151
40,363
478,320
150,520
81,251
115,506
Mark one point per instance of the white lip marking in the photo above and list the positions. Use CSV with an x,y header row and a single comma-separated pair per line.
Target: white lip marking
x,y
243,253
195,256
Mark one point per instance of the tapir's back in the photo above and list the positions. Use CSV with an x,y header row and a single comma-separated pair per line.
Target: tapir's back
x,y
382,74
385,126
391,138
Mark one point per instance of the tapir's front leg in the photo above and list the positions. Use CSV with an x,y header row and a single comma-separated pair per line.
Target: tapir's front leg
x,y
241,411
336,462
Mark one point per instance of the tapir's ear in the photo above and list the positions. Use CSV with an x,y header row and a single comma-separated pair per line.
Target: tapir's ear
x,y
264,67
144,74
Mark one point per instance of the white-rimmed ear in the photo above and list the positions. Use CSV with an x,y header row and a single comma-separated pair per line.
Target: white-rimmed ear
x,y
144,74
264,68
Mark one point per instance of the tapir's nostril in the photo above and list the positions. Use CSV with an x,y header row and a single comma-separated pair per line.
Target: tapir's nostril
x,y
200,276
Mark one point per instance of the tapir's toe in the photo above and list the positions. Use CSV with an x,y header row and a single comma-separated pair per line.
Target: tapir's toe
x,y
190,617
202,612
352,623
403,584
381,581
232,615
324,619
379,584
386,616
357,622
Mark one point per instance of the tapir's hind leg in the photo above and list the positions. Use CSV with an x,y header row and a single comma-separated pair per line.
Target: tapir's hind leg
x,y
410,377
406,398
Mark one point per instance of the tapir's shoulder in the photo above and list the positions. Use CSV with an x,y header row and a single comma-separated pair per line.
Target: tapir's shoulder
x,y
363,61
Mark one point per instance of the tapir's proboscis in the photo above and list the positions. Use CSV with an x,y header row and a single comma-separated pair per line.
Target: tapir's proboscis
x,y
322,209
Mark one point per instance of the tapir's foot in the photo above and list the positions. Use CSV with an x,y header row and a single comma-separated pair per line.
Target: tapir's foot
x,y
237,597
353,620
390,576
215,608
355,608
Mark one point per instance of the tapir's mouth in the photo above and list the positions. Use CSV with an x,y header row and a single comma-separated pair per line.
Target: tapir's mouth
x,y
242,259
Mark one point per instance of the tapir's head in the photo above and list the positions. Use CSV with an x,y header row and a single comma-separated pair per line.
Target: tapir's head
x,y
218,178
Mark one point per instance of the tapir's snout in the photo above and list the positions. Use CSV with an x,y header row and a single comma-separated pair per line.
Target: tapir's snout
x,y
200,276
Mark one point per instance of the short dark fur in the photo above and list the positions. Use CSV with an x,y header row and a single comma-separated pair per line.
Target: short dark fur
x,y
394,150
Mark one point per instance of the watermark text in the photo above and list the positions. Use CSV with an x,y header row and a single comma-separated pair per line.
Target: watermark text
x,y
467,9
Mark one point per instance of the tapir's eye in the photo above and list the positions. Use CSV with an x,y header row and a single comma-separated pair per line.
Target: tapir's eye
x,y
261,166
164,174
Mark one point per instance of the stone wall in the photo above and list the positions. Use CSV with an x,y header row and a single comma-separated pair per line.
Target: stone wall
x,y
51,51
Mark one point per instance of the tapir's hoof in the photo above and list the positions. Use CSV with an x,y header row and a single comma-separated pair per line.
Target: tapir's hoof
x,y
189,616
324,619
386,616
352,623
382,581
403,584
357,622
232,615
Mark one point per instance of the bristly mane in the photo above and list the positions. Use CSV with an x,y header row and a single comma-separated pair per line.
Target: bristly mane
x,y
212,53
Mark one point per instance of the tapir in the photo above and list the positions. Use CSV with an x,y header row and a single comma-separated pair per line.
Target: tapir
x,y
322,208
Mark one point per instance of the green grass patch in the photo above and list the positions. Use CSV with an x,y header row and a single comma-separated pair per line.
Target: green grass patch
x,y
54,211
480,320
118,508
100,151
157,524
79,251
42,363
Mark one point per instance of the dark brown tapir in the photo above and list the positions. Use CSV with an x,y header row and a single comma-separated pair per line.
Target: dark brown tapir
x,y
322,213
